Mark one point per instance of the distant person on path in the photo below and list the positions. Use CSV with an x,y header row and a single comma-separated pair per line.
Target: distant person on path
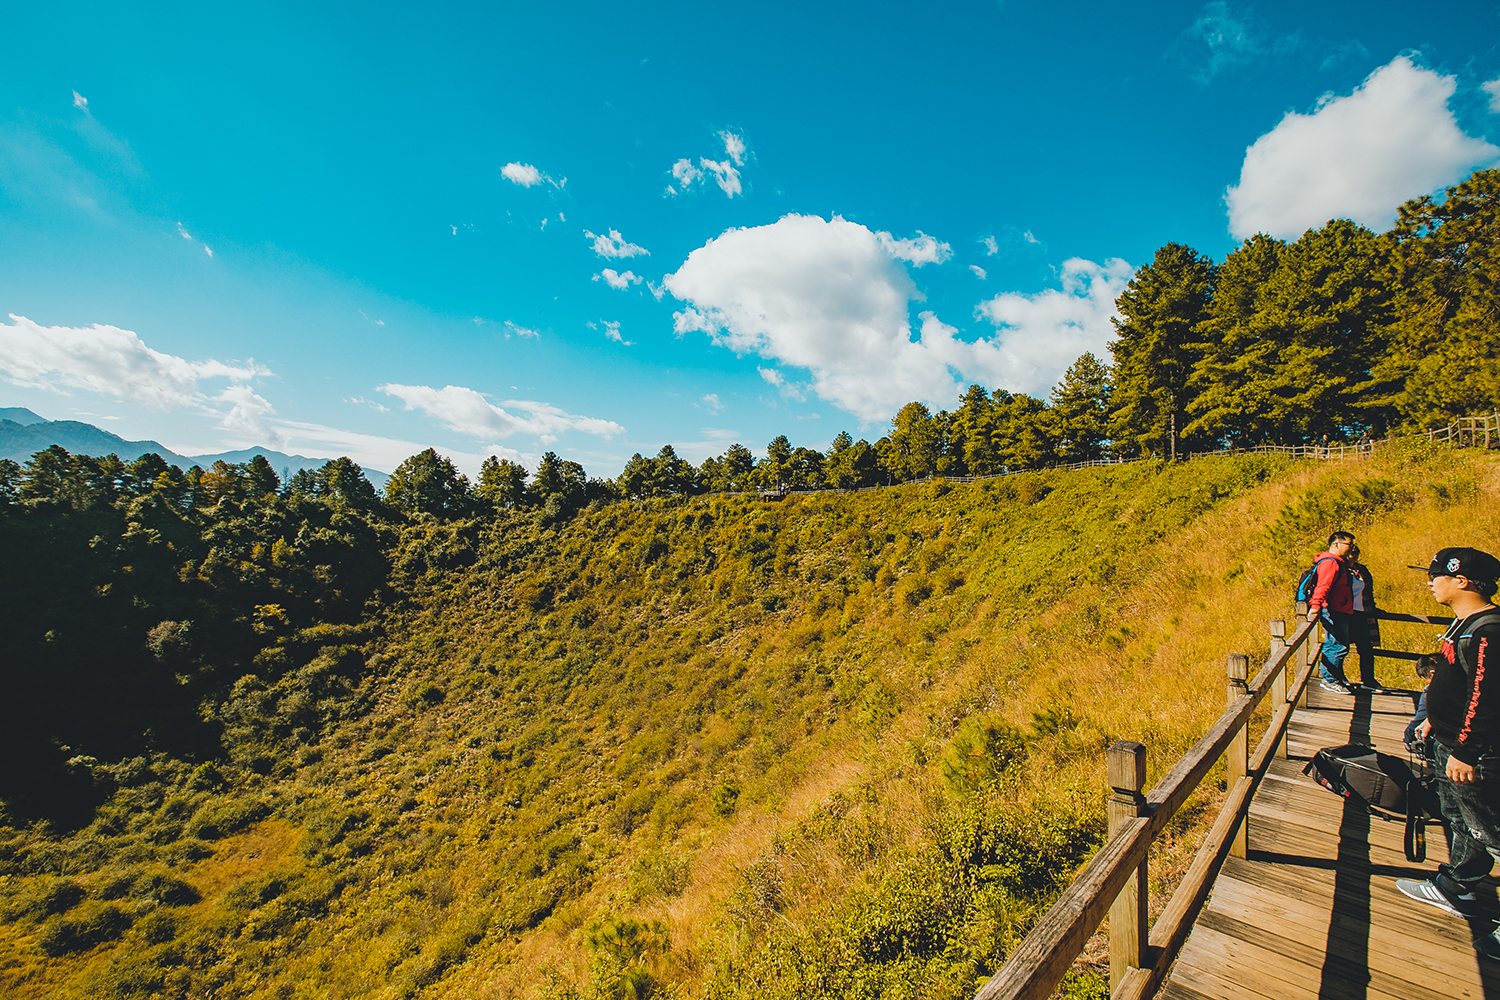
x,y
1364,627
1463,717
1333,601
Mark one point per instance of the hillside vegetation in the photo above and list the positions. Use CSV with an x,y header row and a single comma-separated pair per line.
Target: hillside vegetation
x,y
306,745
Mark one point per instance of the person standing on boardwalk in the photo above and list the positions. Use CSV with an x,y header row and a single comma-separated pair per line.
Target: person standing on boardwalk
x,y
1463,716
1364,627
1333,601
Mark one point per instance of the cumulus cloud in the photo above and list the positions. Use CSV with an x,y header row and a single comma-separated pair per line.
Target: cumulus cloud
x,y
991,245
80,102
979,272
1357,156
613,244
468,412
521,331
615,279
921,249
725,172
117,363
831,297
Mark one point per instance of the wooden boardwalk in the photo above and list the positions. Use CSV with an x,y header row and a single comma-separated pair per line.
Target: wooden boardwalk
x,y
1313,912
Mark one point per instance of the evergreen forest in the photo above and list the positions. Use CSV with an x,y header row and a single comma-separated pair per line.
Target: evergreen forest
x,y
684,733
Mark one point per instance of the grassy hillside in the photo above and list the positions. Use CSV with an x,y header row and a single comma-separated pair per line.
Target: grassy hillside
x,y
834,745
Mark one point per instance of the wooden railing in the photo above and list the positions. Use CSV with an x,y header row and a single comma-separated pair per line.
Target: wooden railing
x,y
1115,881
1469,432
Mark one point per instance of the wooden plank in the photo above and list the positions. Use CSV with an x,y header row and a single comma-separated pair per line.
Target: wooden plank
x,y
1173,990
1387,905
1296,972
1396,948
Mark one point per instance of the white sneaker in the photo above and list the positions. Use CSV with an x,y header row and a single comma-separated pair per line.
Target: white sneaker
x,y
1333,686
1426,891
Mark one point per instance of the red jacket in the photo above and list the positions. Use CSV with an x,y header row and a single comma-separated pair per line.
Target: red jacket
x,y
1332,587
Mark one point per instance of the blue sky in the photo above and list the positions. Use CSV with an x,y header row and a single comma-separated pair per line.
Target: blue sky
x,y
593,229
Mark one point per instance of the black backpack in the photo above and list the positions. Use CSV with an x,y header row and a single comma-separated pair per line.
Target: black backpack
x,y
1388,786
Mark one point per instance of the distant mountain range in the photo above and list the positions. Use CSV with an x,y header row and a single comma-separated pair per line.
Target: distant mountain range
x,y
23,434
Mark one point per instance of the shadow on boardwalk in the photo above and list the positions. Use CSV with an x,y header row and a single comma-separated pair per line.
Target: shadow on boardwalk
x,y
1313,913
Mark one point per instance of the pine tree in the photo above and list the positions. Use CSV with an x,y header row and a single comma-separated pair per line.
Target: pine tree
x,y
1080,409
1157,347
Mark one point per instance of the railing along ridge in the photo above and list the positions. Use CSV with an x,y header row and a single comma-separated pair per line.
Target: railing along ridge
x,y
1115,880
1465,432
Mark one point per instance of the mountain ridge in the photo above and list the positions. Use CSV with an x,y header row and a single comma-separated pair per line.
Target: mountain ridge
x,y
21,438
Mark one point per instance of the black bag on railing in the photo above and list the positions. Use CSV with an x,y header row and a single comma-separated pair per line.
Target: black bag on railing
x,y
1386,785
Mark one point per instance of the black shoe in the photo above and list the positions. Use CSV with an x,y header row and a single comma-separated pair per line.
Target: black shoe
x,y
1488,947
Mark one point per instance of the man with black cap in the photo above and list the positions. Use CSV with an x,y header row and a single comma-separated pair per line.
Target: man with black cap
x,y
1463,715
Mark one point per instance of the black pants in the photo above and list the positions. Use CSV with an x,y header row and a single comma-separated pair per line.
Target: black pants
x,y
1361,635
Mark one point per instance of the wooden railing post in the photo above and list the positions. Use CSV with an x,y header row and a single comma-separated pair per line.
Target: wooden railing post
x,y
1127,915
1237,758
1312,650
1278,685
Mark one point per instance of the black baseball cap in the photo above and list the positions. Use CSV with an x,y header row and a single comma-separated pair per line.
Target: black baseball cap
x,y
1472,563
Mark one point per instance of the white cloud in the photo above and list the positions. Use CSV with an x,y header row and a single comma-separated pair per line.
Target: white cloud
x,y
711,400
108,361
979,272
117,363
247,414
611,331
725,172
79,101
468,412
1221,39
184,233
991,246
923,249
685,173
523,174
208,249
1358,156
1492,87
614,279
381,322
521,331
614,245
1041,334
369,450
657,291
829,297
734,147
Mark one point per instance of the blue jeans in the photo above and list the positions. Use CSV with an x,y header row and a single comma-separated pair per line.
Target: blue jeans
x,y
1335,646
1472,812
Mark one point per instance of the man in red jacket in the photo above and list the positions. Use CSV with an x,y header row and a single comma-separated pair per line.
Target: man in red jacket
x,y
1333,601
